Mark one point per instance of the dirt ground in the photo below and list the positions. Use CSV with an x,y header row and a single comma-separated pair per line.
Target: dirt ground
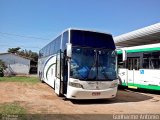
x,y
40,98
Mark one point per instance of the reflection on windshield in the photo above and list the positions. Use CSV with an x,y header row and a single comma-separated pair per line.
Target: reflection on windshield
x,y
93,64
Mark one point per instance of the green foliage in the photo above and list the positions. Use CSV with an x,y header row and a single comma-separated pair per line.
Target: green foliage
x,y
24,53
22,79
2,67
11,108
14,50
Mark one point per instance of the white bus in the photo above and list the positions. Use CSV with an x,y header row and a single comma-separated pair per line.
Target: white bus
x,y
142,67
80,64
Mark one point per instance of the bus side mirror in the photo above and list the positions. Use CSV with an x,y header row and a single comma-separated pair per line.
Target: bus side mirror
x,y
124,55
69,49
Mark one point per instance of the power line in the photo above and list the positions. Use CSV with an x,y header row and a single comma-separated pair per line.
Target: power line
x,y
23,36
21,46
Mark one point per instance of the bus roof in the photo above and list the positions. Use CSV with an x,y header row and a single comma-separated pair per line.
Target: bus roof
x,y
89,30
69,29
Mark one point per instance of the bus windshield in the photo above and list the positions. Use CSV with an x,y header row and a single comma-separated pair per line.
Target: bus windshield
x,y
93,64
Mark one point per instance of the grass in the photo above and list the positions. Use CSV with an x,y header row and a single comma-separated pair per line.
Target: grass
x,y
23,79
12,111
11,108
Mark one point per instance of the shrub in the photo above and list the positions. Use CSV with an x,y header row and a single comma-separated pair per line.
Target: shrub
x,y
2,68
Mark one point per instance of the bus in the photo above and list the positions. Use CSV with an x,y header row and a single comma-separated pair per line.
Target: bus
x,y
141,68
80,64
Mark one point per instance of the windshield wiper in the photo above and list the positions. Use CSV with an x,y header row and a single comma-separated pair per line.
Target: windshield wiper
x,y
104,73
93,66
102,69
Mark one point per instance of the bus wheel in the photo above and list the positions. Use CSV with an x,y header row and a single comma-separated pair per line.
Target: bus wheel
x,y
119,81
42,81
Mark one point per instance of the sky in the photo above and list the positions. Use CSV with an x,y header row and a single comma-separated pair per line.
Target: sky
x,y
31,24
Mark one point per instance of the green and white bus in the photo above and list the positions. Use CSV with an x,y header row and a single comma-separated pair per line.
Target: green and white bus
x,y
80,64
141,68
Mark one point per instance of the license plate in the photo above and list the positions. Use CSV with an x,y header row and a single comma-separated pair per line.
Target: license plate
x,y
96,93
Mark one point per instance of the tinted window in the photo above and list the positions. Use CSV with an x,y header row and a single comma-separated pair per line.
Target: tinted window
x,y
51,48
65,40
133,63
151,60
57,43
93,64
91,39
121,64
146,57
40,53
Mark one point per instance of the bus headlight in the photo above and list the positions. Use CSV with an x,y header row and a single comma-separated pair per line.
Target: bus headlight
x,y
113,85
77,85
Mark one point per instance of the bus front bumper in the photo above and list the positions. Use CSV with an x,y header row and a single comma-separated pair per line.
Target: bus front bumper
x,y
79,93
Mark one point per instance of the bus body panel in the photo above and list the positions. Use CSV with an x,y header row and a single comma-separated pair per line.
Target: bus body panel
x,y
130,77
75,93
145,72
149,77
141,77
92,89
47,69
122,74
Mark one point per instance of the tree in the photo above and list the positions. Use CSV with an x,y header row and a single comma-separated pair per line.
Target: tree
x,y
2,67
14,50
24,53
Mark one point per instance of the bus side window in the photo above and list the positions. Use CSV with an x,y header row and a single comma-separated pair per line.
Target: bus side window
x,y
136,63
146,57
133,63
155,60
120,62
151,60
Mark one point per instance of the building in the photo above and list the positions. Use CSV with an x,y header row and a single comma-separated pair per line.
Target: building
x,y
16,64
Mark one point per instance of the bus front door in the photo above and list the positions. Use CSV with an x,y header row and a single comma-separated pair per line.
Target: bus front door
x,y
65,74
